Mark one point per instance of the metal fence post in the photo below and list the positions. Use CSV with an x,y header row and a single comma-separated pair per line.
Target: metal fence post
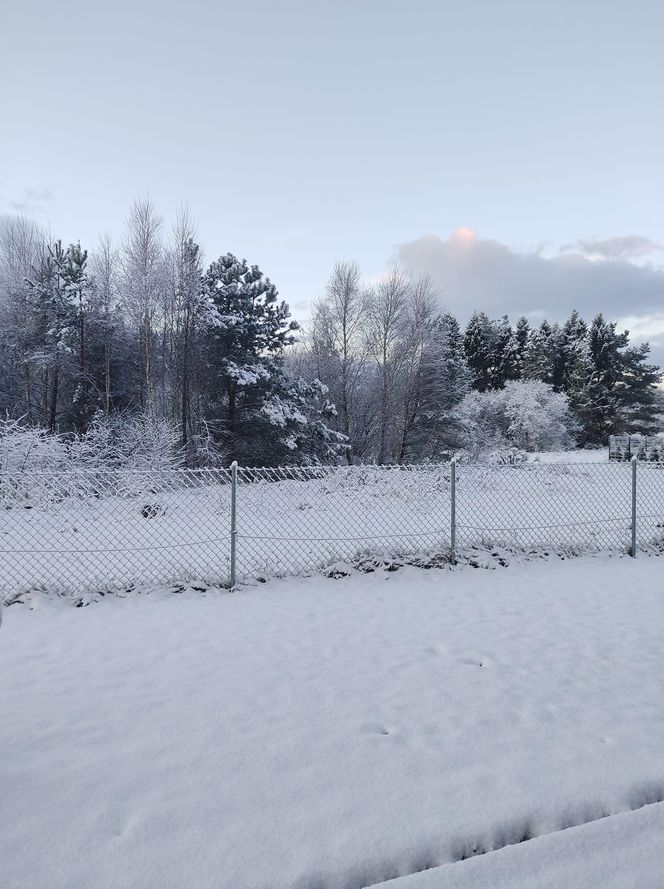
x,y
633,547
233,520
453,511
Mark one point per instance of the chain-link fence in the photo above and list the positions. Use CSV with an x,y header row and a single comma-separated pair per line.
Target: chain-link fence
x,y
110,530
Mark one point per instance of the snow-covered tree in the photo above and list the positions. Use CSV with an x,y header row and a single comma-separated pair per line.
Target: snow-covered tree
x,y
339,343
528,415
388,313
143,288
257,411
479,347
445,382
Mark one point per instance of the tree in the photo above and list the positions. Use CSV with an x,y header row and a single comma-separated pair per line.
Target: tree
x,y
386,328
186,315
59,287
521,334
109,353
77,288
525,414
505,354
539,355
479,348
445,381
636,392
143,273
339,341
257,411
574,331
590,402
22,247
418,326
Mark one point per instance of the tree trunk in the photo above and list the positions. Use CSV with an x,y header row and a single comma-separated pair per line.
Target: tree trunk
x,y
53,409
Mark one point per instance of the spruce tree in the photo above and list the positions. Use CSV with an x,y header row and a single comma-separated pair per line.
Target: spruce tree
x,y
636,391
479,348
505,354
574,331
538,359
521,334
445,380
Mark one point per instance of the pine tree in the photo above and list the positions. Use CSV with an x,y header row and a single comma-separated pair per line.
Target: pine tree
x,y
591,403
505,354
636,391
258,412
59,286
479,348
445,381
557,354
521,335
574,331
538,361
77,289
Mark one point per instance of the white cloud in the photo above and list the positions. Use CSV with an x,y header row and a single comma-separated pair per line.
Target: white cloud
x,y
32,200
477,273
625,247
480,273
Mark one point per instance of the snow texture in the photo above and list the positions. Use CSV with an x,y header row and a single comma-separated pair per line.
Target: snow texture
x,y
339,733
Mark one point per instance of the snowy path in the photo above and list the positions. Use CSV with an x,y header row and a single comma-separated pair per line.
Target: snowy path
x,y
330,734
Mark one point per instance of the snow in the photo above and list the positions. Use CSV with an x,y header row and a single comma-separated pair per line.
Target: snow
x,y
619,852
579,455
85,532
335,733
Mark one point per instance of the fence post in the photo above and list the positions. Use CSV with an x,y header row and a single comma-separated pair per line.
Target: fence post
x,y
633,546
233,520
453,511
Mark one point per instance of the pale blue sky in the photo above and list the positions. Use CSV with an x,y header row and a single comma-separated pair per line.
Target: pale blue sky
x,y
303,132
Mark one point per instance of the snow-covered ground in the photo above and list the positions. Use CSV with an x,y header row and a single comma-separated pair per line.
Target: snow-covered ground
x,y
331,734
579,455
91,532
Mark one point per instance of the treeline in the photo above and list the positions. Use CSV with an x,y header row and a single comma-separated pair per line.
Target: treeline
x,y
401,373
146,329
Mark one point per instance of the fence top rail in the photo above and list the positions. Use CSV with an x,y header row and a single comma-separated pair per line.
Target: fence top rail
x,y
294,472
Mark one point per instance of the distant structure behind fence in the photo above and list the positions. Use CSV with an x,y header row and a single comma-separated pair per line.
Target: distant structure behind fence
x,y
643,447
97,531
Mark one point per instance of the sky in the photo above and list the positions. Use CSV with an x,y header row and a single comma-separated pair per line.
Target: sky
x,y
511,149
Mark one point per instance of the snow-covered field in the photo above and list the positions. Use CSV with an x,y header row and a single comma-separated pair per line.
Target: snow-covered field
x,y
100,532
330,734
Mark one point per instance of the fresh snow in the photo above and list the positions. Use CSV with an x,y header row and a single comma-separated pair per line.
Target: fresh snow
x,y
617,852
90,532
331,734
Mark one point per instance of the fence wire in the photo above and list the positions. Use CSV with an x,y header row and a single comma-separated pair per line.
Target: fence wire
x,y
110,530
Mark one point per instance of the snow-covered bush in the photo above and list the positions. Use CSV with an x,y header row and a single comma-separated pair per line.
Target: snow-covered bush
x,y
528,415
25,448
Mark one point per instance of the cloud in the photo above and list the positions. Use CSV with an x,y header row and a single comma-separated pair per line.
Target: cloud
x,y
476,273
33,200
625,247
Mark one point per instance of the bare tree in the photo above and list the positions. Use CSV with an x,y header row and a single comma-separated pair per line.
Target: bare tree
x,y
185,314
143,285
22,247
417,324
387,317
338,334
105,267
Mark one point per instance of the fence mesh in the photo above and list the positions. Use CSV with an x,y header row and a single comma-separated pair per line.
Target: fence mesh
x,y
102,530
293,520
574,506
105,530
